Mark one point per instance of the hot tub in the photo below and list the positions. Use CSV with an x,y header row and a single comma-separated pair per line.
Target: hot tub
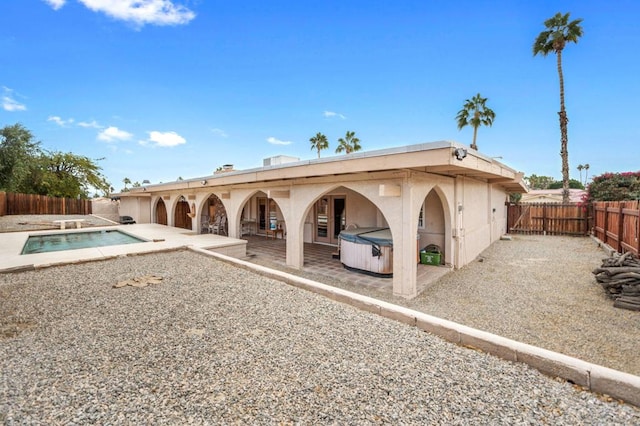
x,y
367,250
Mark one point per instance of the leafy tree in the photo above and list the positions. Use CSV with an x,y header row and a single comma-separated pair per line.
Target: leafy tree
x,y
349,143
559,31
474,113
540,182
573,184
17,151
64,174
26,168
319,142
615,187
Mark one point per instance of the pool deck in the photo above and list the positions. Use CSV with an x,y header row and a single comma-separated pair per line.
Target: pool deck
x,y
158,238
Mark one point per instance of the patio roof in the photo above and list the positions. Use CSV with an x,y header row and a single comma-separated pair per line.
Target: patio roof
x,y
434,157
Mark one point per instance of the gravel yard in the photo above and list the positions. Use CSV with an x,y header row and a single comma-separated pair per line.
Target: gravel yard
x,y
216,344
534,289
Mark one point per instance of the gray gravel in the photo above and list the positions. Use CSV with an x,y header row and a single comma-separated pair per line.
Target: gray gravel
x,y
534,289
216,344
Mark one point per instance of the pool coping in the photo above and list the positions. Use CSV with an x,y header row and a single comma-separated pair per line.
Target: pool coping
x,y
157,238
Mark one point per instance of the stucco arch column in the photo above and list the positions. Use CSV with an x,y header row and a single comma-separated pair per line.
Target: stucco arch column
x,y
233,201
170,204
403,224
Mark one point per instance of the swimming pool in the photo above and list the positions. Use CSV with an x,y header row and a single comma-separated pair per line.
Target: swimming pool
x,y
77,240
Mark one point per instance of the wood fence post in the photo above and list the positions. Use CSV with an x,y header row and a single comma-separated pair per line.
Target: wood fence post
x,y
606,221
620,226
638,230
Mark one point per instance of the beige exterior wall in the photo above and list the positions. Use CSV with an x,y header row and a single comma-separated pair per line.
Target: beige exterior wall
x,y
463,212
138,208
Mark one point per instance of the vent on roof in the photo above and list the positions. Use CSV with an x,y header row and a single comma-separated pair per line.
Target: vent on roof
x,y
279,159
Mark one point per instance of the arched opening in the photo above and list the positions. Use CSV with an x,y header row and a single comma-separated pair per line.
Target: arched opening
x,y
261,216
431,227
346,234
214,217
161,212
182,215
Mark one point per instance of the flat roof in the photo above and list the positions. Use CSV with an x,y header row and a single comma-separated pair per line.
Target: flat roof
x,y
432,157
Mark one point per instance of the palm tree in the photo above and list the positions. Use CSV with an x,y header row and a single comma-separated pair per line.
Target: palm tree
x,y
126,182
580,169
319,142
559,31
474,113
586,173
349,143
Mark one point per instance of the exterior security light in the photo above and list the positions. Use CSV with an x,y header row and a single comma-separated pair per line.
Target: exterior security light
x,y
460,153
204,182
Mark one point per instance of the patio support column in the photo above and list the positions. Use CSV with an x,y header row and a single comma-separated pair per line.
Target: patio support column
x,y
404,229
294,219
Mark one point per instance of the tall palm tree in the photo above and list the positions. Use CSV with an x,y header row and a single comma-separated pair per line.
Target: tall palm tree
x,y
474,113
580,169
349,143
586,173
559,31
319,142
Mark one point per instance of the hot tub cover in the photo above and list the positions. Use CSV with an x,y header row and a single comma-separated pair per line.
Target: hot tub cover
x,y
378,236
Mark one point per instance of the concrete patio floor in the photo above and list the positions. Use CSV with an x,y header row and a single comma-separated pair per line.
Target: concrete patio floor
x,y
318,260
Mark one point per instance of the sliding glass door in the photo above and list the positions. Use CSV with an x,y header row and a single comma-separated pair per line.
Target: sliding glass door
x,y
330,218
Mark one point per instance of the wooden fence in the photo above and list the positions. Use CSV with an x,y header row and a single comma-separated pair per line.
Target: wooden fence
x,y
12,203
617,224
548,219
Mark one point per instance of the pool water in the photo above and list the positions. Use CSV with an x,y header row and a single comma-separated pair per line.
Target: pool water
x,y
77,240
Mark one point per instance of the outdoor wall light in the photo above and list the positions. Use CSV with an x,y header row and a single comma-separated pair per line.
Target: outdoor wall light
x,y
204,182
460,153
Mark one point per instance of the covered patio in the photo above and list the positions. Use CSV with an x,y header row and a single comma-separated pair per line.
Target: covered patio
x,y
319,262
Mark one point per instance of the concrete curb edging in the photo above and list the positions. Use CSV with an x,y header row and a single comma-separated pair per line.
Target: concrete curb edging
x,y
593,377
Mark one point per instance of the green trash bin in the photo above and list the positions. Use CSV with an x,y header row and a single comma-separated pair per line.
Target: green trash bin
x,y
429,258
430,255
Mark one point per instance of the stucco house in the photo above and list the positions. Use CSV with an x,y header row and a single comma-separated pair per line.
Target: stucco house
x,y
441,193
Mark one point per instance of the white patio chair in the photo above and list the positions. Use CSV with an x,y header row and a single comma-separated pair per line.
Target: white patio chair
x,y
219,228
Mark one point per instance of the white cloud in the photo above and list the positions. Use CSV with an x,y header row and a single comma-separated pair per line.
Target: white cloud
x,y
275,141
220,133
113,134
92,124
10,104
164,139
59,121
56,4
142,12
331,114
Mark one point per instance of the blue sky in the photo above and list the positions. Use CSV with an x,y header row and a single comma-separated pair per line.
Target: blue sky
x,y
177,88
